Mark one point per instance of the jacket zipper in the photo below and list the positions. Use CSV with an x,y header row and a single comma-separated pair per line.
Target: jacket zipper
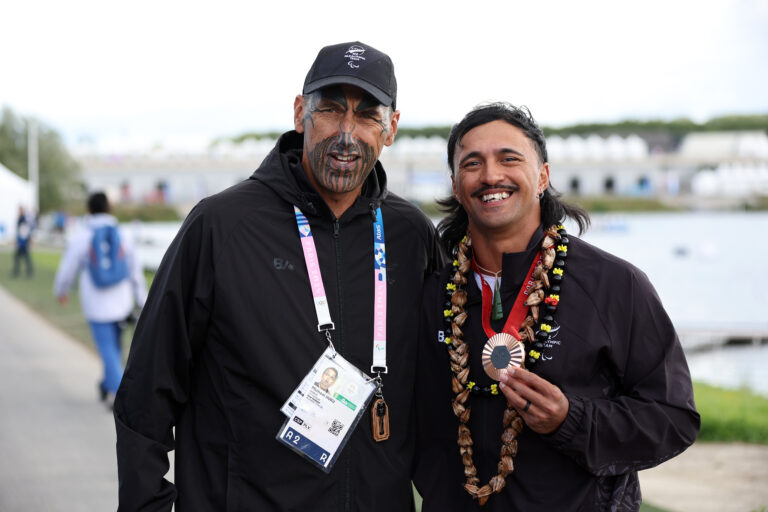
x,y
339,340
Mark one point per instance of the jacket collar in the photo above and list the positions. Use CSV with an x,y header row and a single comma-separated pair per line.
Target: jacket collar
x,y
515,266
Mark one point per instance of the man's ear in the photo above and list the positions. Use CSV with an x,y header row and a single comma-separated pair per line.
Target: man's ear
x,y
455,191
298,113
394,119
543,177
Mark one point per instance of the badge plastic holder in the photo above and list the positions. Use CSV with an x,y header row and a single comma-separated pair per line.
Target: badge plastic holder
x,y
320,422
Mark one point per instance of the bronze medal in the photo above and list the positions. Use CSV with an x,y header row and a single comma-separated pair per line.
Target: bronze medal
x,y
502,351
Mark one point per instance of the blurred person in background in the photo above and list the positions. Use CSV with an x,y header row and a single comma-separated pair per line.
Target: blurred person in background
x,y
111,285
24,226
563,353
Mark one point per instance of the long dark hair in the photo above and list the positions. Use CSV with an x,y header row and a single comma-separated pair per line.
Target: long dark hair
x,y
553,210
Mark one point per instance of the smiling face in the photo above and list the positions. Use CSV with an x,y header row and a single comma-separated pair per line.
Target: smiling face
x,y
344,130
498,176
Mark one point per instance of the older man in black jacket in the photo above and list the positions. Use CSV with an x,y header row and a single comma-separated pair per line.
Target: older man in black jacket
x,y
231,326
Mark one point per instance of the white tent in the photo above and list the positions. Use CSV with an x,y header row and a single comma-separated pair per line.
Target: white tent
x,y
14,192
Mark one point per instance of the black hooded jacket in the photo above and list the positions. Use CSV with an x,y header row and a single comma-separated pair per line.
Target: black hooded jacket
x,y
229,330
612,351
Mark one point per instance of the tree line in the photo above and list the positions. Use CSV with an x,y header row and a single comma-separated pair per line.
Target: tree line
x,y
675,128
59,173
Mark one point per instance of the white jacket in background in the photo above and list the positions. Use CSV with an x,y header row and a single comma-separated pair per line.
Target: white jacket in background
x,y
109,304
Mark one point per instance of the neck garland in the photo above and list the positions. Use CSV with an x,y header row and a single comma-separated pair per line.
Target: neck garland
x,y
544,292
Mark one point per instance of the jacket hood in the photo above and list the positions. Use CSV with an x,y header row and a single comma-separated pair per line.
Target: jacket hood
x,y
282,171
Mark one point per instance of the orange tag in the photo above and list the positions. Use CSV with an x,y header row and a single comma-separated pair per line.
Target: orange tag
x,y
380,420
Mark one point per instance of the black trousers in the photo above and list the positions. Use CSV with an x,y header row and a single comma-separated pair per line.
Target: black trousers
x,y
22,253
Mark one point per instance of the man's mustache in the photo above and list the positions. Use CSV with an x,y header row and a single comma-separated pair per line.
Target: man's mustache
x,y
343,144
484,189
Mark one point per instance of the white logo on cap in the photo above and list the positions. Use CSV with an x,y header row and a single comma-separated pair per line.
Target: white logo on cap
x,y
354,54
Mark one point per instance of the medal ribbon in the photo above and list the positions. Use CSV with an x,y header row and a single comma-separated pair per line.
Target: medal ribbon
x,y
324,322
519,309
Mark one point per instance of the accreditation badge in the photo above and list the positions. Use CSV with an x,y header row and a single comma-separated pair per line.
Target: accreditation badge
x,y
325,408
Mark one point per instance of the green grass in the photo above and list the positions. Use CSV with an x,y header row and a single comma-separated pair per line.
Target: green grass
x,y
37,293
601,204
605,204
731,415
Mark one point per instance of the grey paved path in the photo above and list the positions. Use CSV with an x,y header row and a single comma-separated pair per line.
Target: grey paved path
x,y
57,442
710,477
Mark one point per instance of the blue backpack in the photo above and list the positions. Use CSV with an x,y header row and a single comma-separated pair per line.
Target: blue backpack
x,y
106,261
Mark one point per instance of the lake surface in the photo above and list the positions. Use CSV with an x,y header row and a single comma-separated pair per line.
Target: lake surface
x,y
706,267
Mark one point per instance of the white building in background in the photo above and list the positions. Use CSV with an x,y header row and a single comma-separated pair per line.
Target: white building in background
x,y
730,164
14,192
737,163
416,169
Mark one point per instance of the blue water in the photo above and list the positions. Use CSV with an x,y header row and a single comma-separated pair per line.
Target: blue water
x,y
707,268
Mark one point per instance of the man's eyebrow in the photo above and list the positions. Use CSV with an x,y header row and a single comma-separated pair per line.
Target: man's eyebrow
x,y
367,102
510,150
502,151
335,94
473,154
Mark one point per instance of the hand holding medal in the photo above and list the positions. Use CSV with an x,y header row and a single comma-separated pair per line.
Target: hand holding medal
x,y
542,405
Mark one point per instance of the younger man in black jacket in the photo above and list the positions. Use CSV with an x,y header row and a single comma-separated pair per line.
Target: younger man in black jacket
x,y
605,389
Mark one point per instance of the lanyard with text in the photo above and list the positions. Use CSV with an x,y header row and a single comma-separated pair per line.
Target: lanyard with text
x,y
379,411
519,309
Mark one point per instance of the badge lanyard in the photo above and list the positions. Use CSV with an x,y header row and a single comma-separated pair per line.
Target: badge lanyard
x,y
380,409
324,322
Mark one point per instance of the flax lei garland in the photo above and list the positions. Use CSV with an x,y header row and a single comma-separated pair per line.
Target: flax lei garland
x,y
544,292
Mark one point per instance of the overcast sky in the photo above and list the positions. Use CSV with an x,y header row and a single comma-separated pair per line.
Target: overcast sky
x,y
160,71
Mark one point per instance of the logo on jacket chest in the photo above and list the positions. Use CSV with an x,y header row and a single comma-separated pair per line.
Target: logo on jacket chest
x,y
282,264
552,343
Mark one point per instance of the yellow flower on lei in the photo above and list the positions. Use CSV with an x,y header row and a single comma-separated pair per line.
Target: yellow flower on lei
x,y
562,248
494,389
557,271
534,354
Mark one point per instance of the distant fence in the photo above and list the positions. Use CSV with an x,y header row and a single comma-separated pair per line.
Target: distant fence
x,y
702,339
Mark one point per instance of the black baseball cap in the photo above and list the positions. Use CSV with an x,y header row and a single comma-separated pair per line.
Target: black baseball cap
x,y
354,64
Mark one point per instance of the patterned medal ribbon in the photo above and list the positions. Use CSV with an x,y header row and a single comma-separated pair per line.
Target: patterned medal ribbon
x,y
504,350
